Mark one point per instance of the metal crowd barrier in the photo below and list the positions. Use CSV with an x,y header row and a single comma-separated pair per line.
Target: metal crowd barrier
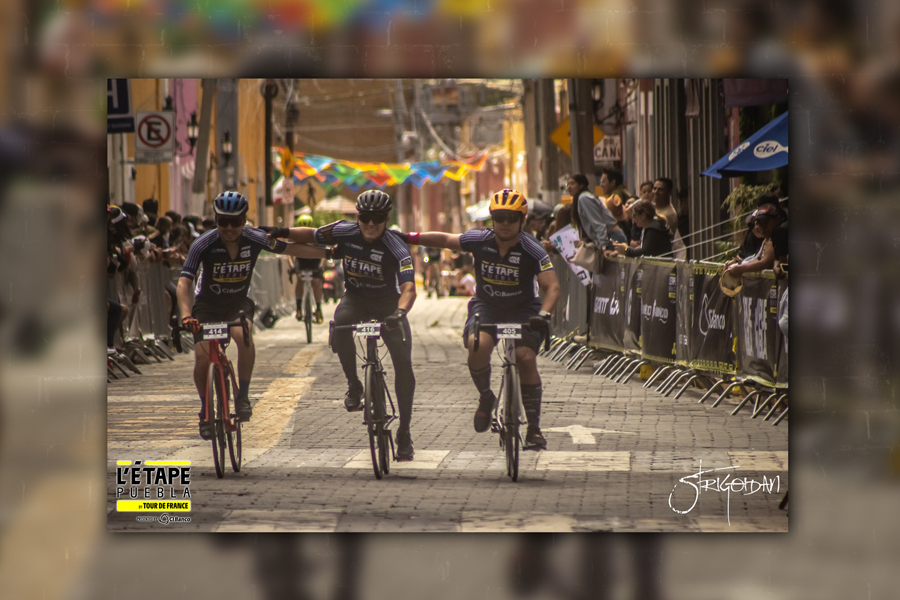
x,y
146,333
672,315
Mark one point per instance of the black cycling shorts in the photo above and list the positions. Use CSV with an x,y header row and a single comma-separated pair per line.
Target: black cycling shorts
x,y
316,273
207,312
490,316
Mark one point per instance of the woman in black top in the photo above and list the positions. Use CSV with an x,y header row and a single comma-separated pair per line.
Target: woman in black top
x,y
656,237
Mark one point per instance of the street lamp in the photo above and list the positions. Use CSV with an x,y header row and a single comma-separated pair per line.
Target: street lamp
x,y
193,130
226,146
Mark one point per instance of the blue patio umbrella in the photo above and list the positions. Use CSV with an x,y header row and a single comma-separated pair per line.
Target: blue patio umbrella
x,y
764,150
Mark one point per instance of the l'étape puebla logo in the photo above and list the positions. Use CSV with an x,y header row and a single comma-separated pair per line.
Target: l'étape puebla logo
x,y
154,486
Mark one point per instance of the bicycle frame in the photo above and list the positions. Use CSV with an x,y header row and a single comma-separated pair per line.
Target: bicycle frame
x,y
377,396
217,357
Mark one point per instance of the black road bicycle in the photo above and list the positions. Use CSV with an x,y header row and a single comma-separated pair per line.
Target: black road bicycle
x,y
377,398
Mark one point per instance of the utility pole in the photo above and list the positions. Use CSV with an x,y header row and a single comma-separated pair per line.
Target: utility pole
x,y
198,188
269,91
403,212
546,97
581,126
530,114
291,117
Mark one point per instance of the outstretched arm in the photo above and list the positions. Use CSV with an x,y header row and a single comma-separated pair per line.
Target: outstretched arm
x,y
304,251
435,239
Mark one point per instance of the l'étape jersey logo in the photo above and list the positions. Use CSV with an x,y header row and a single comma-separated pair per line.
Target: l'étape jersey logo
x,y
499,274
515,257
406,265
355,267
377,255
245,252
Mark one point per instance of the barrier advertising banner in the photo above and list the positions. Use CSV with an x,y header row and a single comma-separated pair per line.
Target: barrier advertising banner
x,y
712,332
608,311
658,311
632,331
684,300
781,373
756,308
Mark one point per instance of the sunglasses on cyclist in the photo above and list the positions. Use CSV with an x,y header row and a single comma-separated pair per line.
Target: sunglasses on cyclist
x,y
230,222
506,216
372,217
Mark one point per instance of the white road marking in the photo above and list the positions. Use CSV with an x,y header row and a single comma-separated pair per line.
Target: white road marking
x,y
584,435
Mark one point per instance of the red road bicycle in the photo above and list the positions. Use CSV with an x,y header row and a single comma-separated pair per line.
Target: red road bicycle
x,y
220,396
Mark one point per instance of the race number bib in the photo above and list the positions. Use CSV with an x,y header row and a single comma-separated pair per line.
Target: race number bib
x,y
510,331
215,331
368,330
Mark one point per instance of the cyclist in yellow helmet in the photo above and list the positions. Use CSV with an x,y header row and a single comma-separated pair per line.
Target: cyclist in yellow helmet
x,y
507,262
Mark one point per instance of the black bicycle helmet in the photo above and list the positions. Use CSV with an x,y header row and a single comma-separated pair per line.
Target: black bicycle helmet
x,y
231,203
374,201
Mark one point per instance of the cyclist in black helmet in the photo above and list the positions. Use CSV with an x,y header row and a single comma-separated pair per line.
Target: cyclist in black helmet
x,y
225,257
379,284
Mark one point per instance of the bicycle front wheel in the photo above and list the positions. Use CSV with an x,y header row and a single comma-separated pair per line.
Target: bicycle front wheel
x,y
234,436
373,423
511,426
307,317
215,398
384,452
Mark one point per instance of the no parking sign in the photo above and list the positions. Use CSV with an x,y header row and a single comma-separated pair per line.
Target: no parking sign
x,y
154,137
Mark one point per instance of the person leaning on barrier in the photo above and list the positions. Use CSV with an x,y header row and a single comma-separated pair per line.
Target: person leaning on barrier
x,y
656,237
379,284
227,255
766,220
507,263
590,216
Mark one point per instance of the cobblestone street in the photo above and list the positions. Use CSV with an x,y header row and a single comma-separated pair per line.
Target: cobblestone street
x,y
615,451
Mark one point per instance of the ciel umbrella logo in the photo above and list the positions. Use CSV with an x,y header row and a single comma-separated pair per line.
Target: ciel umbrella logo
x,y
768,148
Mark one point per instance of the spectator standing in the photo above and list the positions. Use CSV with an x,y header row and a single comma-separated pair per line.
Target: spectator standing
x,y
656,237
617,199
646,191
592,219
662,199
767,218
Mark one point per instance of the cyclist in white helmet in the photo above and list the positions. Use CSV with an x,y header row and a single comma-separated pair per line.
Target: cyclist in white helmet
x,y
225,257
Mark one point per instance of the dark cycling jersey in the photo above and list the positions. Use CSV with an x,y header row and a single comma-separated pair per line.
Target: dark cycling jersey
x,y
223,278
373,271
507,281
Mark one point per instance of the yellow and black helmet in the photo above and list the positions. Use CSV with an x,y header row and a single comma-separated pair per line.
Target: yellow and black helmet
x,y
509,200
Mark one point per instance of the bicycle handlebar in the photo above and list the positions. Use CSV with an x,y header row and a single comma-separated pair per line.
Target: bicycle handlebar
x,y
332,328
476,331
245,328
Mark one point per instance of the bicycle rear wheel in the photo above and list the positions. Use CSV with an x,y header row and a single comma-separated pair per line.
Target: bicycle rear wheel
x,y
373,424
233,437
214,397
307,317
511,426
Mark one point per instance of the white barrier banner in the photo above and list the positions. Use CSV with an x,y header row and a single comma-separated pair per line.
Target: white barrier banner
x,y
564,242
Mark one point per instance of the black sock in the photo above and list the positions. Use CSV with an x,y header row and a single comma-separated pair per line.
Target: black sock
x,y
243,387
531,398
319,305
299,304
482,379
